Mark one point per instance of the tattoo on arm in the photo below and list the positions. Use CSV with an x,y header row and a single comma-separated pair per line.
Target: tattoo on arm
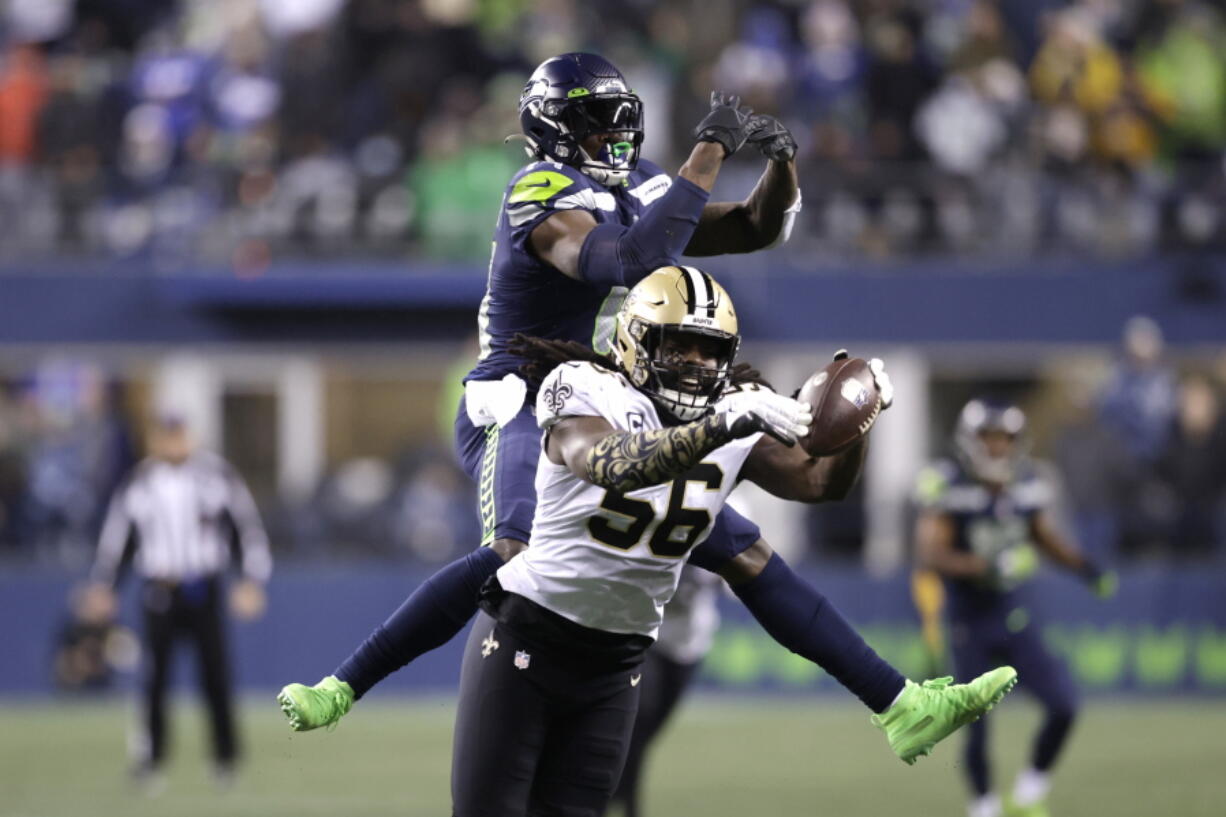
x,y
628,461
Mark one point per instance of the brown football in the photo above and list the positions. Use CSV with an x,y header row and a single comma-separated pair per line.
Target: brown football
x,y
845,405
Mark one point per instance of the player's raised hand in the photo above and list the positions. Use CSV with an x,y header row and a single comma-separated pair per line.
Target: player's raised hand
x,y
727,124
769,136
752,408
1102,583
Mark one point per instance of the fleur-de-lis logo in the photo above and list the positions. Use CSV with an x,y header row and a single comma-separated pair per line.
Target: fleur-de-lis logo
x,y
555,396
488,645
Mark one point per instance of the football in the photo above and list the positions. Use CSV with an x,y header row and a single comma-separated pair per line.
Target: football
x,y
845,405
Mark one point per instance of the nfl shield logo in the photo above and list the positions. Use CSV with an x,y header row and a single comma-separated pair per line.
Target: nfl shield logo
x,y
522,659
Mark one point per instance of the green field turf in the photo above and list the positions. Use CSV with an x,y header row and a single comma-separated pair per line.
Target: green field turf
x,y
722,758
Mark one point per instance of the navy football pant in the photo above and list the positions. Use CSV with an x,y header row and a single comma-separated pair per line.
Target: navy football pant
x,y
536,735
502,461
664,683
978,646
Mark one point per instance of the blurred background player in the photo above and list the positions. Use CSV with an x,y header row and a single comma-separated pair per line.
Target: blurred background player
x,y
178,516
687,632
980,514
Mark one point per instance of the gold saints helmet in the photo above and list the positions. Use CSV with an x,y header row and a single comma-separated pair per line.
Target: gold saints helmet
x,y
677,301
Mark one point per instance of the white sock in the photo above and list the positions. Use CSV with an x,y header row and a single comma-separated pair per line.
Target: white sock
x,y
896,697
1031,787
986,806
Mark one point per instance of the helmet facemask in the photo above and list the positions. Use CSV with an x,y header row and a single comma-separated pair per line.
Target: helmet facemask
x,y
581,117
979,419
684,390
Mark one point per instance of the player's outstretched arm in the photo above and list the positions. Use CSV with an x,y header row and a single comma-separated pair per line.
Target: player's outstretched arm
x,y
624,461
610,254
1052,542
764,219
791,473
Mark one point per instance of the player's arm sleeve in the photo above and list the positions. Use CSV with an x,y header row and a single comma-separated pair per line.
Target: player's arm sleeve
x,y
614,255
255,557
623,460
116,543
764,220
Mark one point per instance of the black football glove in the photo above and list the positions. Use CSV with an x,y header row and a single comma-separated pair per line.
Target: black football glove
x,y
728,123
769,136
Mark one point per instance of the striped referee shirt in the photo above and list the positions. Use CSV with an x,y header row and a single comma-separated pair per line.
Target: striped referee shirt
x,y
181,522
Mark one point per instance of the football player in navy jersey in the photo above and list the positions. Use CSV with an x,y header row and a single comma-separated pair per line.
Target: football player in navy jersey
x,y
579,226
981,516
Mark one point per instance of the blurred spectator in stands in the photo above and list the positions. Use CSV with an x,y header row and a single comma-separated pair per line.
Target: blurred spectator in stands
x,y
12,474
1195,468
757,64
1139,405
458,183
23,91
1096,472
433,520
78,134
78,449
900,77
1182,64
832,69
1076,66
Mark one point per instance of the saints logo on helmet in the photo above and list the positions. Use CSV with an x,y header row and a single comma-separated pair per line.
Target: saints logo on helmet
x,y
676,302
573,96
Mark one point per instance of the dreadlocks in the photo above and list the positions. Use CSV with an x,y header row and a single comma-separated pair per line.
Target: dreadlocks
x,y
542,356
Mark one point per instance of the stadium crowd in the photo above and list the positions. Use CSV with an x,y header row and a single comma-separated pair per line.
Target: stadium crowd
x,y
225,133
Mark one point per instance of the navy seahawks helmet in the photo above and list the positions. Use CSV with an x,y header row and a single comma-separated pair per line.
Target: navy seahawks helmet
x,y
979,417
573,96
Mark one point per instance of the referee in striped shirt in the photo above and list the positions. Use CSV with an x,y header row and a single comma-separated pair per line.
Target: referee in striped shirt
x,y
182,516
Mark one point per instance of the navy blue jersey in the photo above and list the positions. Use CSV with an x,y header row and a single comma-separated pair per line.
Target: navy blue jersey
x,y
525,294
986,522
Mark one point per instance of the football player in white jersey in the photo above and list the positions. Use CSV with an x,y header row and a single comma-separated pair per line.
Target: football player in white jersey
x,y
639,455
640,451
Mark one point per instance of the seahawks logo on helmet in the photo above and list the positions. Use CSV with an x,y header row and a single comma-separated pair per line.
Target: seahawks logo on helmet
x,y
676,301
572,97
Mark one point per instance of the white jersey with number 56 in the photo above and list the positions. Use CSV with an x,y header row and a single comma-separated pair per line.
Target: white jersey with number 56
x,y
600,558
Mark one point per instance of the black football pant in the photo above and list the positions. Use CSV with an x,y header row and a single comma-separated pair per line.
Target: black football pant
x,y
978,646
664,683
537,734
190,611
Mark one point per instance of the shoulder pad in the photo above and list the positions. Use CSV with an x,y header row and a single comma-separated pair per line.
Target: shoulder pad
x,y
545,187
572,389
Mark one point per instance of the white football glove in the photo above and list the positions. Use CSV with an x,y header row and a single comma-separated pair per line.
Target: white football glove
x,y
882,380
884,387
752,408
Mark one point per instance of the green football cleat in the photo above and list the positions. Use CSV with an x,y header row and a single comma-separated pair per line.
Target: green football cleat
x,y
312,707
924,715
